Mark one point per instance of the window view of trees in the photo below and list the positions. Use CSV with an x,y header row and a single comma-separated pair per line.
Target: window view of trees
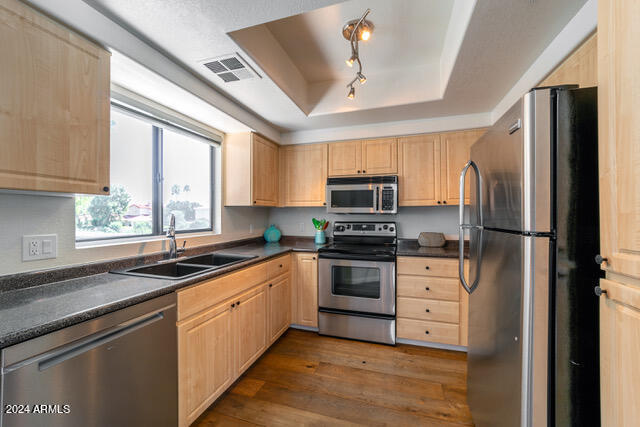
x,y
128,210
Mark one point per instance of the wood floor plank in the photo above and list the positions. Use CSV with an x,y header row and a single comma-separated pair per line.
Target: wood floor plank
x,y
307,379
347,409
247,387
272,414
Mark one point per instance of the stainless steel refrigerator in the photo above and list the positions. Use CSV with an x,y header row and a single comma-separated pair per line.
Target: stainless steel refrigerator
x,y
533,234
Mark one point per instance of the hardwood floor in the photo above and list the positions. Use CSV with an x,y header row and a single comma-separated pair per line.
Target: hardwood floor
x,y
307,379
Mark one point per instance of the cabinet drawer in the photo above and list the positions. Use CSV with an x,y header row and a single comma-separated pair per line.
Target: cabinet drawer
x,y
439,267
423,330
429,309
206,294
278,266
440,288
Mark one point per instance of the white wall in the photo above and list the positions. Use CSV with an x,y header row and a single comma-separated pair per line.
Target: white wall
x,y
411,220
37,214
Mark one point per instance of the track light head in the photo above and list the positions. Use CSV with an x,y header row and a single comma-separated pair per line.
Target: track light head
x,y
352,59
352,92
361,78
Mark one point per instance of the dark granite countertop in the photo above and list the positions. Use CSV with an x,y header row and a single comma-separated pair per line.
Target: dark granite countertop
x,y
410,247
32,311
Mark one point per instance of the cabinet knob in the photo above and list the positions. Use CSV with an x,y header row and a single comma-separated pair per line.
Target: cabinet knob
x,y
313,258
280,265
427,267
600,259
233,305
358,171
439,202
427,310
324,204
599,291
445,202
426,332
364,171
427,289
238,303
271,285
105,189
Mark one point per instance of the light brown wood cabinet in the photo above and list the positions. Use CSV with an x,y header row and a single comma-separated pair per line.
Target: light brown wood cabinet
x,y
368,157
279,307
619,354
249,327
205,359
250,170
432,306
54,121
304,298
618,158
303,170
224,325
430,165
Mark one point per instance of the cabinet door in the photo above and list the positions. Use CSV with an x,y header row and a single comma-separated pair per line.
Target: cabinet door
x,y
619,134
345,158
419,170
265,172
205,356
306,283
279,308
54,121
380,156
305,175
250,327
455,151
619,354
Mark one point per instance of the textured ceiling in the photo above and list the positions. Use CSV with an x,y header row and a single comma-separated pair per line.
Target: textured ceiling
x,y
502,40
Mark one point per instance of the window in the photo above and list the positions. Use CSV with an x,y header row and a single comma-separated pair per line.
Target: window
x,y
157,170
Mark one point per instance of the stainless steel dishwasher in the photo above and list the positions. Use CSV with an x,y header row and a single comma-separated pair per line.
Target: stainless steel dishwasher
x,y
119,369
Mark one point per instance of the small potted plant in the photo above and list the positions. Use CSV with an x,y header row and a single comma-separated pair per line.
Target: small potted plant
x,y
320,225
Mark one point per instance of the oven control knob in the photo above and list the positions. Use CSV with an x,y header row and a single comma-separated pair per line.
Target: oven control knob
x,y
348,226
340,228
391,229
385,226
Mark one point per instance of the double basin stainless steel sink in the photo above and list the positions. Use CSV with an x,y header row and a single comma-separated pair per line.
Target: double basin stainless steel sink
x,y
185,267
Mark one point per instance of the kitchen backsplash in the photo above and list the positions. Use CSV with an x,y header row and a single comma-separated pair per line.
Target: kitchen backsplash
x,y
411,220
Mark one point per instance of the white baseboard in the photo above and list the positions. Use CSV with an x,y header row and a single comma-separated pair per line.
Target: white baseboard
x,y
432,345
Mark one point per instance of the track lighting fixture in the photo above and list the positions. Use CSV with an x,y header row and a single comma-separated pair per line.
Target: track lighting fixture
x,y
355,31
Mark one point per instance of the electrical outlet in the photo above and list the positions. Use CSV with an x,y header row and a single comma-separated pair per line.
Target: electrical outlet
x,y
39,247
250,228
301,227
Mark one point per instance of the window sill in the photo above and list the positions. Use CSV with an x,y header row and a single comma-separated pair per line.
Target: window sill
x,y
142,239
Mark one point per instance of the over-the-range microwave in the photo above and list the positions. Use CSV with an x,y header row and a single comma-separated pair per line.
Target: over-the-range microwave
x,y
363,195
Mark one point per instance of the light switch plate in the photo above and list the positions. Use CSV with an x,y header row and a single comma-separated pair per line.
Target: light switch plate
x,y
43,246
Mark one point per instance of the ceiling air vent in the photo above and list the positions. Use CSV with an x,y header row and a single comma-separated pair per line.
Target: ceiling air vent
x,y
230,68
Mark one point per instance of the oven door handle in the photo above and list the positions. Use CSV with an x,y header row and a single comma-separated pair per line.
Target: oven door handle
x,y
353,257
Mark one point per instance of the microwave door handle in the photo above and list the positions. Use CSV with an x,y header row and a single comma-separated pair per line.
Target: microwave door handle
x,y
377,207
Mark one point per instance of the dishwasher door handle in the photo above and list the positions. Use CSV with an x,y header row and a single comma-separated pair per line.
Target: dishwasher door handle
x,y
75,349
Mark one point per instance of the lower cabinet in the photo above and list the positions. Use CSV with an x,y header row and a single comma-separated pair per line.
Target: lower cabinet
x,y
249,327
205,360
217,344
279,307
304,300
432,306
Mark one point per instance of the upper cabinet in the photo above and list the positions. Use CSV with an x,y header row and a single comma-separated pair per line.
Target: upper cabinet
x,y
370,157
419,170
380,156
455,151
430,165
303,170
250,170
345,158
619,135
54,121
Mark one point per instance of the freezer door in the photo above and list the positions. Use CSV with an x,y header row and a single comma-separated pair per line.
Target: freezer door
x,y
508,331
514,161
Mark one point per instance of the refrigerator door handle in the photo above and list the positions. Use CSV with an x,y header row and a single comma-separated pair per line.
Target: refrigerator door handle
x,y
463,226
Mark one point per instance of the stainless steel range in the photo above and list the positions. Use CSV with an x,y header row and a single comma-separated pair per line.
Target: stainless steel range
x,y
357,282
